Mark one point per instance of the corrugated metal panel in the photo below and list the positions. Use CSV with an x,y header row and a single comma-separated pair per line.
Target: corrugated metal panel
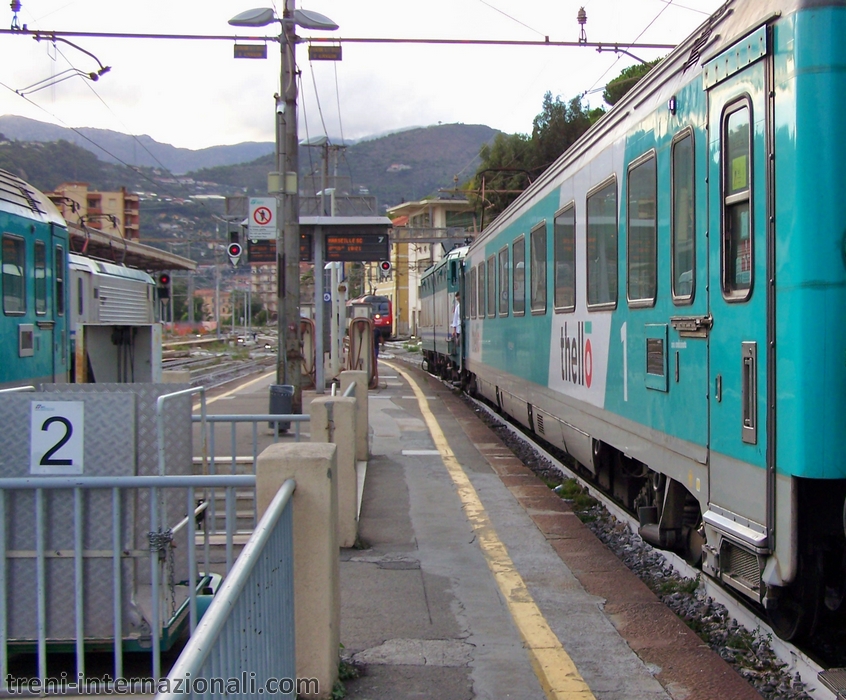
x,y
124,306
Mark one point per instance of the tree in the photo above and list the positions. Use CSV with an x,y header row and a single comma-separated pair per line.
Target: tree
x,y
558,127
512,162
628,78
502,175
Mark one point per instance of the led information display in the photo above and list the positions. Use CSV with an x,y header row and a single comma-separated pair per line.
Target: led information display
x,y
352,247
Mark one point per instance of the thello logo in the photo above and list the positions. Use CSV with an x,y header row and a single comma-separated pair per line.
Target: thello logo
x,y
576,355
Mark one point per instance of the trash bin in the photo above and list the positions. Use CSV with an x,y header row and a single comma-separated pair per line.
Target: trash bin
x,y
281,402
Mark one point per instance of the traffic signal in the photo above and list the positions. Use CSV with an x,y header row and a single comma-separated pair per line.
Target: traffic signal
x,y
164,285
234,250
385,268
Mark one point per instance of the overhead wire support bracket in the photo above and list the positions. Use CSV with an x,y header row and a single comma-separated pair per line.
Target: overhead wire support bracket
x,y
53,36
71,72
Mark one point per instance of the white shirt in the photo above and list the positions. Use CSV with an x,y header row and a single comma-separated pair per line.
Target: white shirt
x,y
456,319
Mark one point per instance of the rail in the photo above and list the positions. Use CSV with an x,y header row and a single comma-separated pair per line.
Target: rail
x,y
69,543
250,620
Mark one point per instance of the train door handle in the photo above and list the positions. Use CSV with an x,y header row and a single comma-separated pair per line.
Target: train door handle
x,y
749,392
718,388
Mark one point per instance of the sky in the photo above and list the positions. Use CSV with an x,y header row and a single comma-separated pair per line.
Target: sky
x,y
194,94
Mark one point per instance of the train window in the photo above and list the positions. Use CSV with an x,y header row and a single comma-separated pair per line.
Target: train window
x,y
602,246
59,276
80,297
564,232
14,280
538,279
642,231
518,259
503,282
682,219
40,278
491,286
482,289
472,280
737,194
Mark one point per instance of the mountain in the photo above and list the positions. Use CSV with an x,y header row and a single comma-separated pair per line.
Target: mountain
x,y
402,166
114,147
184,214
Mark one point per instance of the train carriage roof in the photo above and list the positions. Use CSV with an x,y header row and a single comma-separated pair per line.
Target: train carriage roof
x,y
18,197
102,267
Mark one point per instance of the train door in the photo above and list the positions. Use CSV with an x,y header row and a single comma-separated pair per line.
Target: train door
x,y
739,247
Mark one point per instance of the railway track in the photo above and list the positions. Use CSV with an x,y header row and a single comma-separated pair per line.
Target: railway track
x,y
212,371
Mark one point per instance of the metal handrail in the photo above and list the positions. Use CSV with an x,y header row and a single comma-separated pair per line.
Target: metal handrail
x,y
204,640
160,419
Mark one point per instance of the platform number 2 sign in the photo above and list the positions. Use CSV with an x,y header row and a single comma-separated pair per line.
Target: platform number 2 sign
x,y
56,437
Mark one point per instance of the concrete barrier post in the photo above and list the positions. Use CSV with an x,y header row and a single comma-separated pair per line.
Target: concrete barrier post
x,y
362,420
332,419
317,597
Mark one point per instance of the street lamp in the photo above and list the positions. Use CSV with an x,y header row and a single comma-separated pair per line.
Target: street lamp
x,y
284,185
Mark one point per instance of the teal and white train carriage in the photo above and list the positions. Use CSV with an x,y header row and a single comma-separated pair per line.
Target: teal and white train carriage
x,y
668,304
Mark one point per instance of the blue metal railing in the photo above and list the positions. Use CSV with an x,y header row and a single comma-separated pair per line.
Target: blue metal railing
x,y
37,546
246,637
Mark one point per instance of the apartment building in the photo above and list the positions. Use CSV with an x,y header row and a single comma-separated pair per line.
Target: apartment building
x,y
115,213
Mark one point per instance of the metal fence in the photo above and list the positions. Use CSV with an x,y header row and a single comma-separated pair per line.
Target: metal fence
x,y
211,462
244,645
71,564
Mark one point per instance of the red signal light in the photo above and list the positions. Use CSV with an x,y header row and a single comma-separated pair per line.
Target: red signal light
x,y
164,279
234,250
385,266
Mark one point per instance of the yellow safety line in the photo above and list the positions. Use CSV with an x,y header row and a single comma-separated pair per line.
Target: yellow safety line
x,y
237,388
554,668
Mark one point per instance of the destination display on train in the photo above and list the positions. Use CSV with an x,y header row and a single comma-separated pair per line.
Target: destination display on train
x,y
356,247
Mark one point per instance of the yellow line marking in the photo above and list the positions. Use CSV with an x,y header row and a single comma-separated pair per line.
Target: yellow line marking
x,y
236,389
554,668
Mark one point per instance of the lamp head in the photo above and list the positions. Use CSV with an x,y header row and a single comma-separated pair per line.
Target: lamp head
x,y
262,16
308,19
258,17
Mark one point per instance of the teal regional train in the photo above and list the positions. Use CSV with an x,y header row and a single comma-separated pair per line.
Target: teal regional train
x,y
667,303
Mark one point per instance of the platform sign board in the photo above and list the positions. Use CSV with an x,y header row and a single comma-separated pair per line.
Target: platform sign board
x,y
264,252
351,247
56,437
317,52
261,224
250,50
261,252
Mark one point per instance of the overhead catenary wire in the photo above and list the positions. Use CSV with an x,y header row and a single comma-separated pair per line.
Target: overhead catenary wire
x,y
633,43
514,19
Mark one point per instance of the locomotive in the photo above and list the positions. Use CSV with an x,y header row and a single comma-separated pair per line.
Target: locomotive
x,y
667,304
51,294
